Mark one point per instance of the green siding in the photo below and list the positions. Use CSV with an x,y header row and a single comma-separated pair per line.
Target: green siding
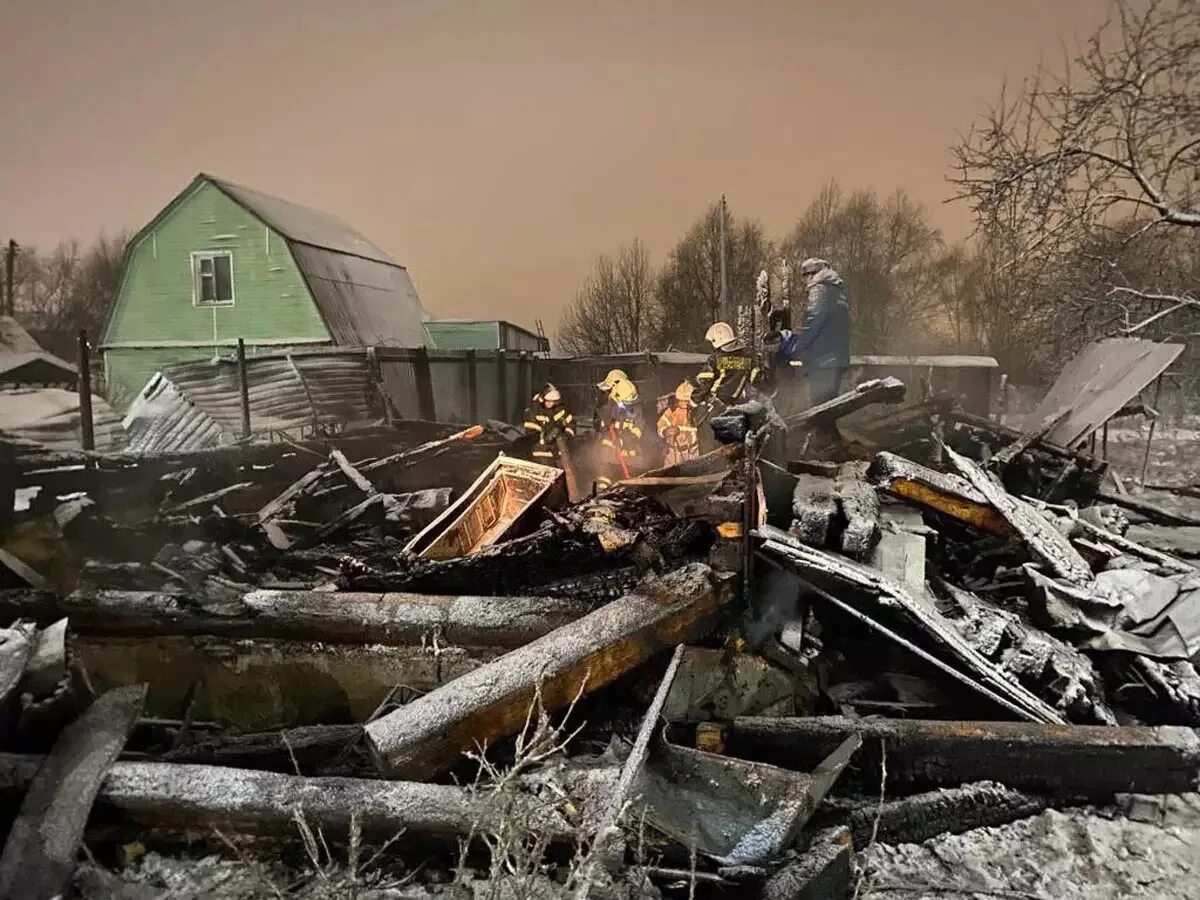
x,y
155,305
480,336
463,335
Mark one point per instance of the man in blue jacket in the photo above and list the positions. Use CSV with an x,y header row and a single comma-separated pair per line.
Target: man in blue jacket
x,y
822,345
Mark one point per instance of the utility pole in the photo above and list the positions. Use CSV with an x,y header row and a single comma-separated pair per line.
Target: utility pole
x,y
10,262
724,272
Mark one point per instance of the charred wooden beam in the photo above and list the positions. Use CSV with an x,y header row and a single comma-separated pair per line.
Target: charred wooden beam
x,y
427,736
913,819
394,619
877,390
312,750
39,855
1083,528
1091,761
950,495
1041,537
1151,511
823,871
176,798
879,598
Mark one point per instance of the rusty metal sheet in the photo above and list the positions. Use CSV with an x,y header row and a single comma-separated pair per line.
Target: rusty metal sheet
x,y
1097,383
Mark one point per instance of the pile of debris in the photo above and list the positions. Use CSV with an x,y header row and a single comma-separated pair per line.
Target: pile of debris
x,y
406,665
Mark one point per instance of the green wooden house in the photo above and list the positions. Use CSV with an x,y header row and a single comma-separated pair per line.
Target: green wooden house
x,y
223,262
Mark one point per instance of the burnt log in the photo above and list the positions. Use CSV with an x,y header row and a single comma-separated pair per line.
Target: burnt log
x,y
1066,761
177,798
950,495
426,737
877,390
1152,511
394,619
39,855
822,872
911,820
312,750
1044,541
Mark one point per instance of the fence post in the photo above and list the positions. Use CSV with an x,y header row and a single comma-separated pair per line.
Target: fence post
x,y
502,386
426,409
86,424
524,376
472,390
244,388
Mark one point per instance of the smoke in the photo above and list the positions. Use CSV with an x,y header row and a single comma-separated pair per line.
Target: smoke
x,y
776,602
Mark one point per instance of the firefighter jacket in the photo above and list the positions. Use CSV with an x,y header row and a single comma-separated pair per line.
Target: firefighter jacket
x,y
626,426
548,423
680,436
728,376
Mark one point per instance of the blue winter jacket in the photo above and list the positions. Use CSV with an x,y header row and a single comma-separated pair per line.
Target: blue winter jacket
x,y
823,342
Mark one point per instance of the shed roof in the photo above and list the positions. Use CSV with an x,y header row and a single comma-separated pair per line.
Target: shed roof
x,y
22,359
302,224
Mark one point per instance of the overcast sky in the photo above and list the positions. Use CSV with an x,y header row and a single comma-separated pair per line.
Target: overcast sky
x,y
495,147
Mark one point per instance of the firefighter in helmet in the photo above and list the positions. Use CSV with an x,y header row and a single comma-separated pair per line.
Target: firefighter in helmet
x,y
622,439
604,404
677,427
731,371
548,419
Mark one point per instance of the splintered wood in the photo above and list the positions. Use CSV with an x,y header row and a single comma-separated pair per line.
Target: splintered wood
x,y
428,735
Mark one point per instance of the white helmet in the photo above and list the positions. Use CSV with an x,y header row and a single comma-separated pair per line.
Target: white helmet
x,y
720,335
812,266
550,393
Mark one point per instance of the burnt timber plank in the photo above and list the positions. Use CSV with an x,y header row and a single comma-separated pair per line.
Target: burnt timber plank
x,y
1091,761
427,736
395,619
39,855
178,797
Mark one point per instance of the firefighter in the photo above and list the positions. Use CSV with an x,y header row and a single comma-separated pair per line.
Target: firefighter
x,y
731,371
677,428
623,437
548,419
603,410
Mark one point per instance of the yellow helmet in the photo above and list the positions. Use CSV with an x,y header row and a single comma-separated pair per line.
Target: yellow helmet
x,y
720,335
683,393
612,378
624,392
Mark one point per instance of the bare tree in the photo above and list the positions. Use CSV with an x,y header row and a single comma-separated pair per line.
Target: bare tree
x,y
689,290
615,309
70,288
1112,139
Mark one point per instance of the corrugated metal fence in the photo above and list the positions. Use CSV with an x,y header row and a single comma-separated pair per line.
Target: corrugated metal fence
x,y
296,394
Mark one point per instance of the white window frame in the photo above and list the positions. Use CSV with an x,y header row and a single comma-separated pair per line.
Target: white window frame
x,y
197,255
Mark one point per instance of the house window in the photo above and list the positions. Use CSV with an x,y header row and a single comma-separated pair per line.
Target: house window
x,y
212,275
